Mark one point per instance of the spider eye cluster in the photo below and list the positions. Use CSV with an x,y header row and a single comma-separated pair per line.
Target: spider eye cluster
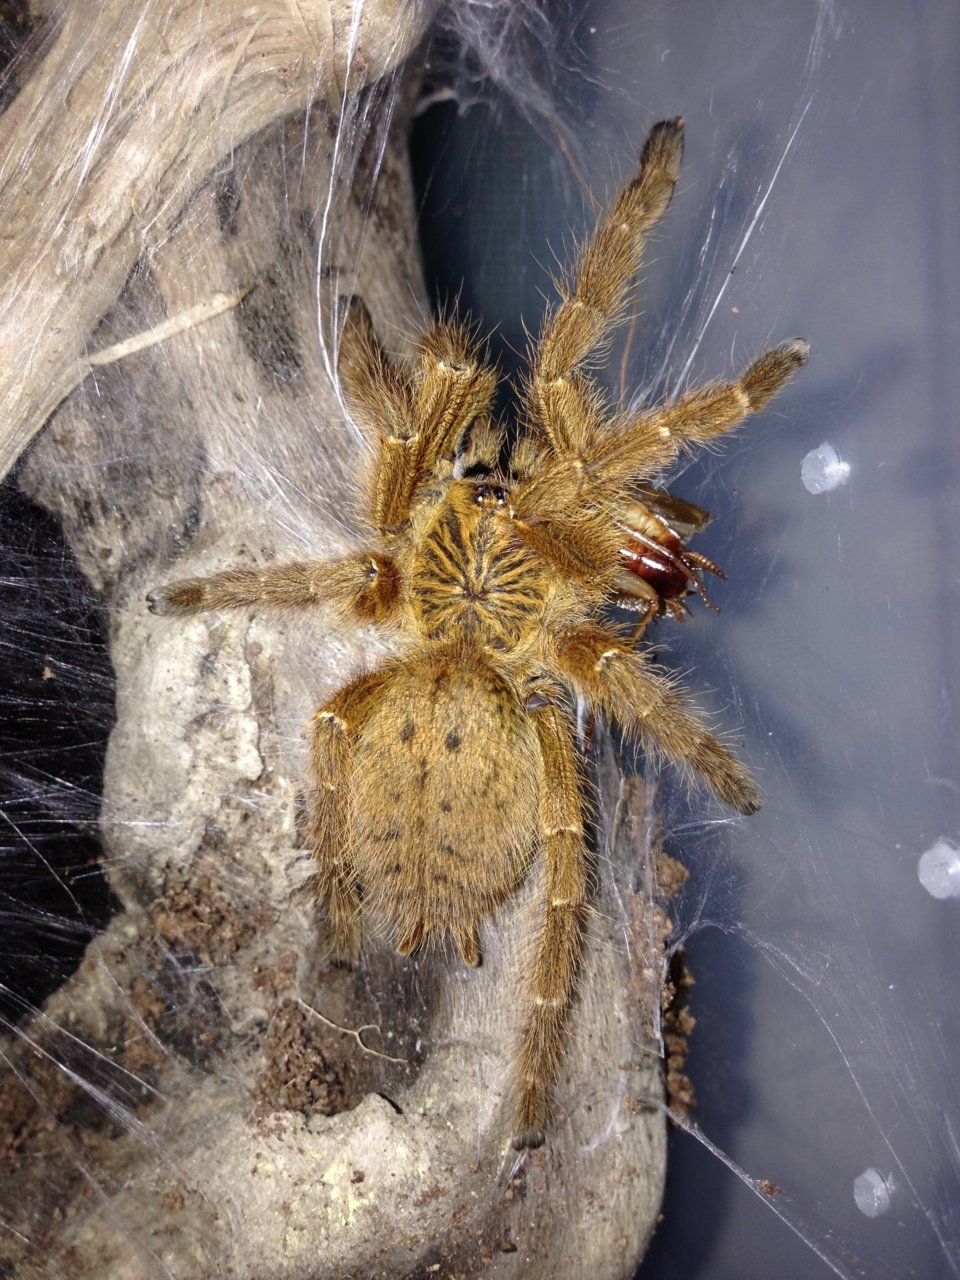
x,y
490,495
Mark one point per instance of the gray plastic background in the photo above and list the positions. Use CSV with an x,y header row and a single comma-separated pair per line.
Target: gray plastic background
x,y
819,199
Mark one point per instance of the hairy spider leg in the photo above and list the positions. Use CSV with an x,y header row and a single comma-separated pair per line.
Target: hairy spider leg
x,y
649,441
613,459
561,406
562,509
365,587
558,953
619,682
332,731
419,420
466,938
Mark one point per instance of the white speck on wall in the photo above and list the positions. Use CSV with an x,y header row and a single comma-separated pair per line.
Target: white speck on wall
x,y
823,469
871,1192
939,870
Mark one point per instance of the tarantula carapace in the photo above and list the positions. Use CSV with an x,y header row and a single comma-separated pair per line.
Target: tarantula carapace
x,y
441,776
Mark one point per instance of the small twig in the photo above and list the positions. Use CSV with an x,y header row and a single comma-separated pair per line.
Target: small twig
x,y
215,305
357,1035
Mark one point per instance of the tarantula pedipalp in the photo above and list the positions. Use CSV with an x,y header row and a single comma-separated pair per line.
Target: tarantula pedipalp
x,y
439,777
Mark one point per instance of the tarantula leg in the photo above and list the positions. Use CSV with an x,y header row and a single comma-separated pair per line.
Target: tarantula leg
x,y
379,392
454,390
651,440
610,259
331,731
366,585
451,390
564,407
711,410
466,939
412,938
558,952
418,421
621,683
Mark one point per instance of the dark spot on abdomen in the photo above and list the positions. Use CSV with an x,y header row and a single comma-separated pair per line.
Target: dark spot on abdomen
x,y
407,732
452,741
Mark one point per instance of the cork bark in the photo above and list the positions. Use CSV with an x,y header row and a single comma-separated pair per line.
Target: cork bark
x,y
207,1095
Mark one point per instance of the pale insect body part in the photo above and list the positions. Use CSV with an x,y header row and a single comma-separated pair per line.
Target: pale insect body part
x,y
438,777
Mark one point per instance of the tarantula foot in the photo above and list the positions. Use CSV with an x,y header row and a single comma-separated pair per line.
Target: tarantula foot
x,y
412,939
741,793
178,597
528,1141
770,371
796,349
467,941
345,952
665,140
531,1117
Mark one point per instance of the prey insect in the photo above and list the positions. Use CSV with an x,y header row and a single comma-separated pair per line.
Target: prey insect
x,y
440,777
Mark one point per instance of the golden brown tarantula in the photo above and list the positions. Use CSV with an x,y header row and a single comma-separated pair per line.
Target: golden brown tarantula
x,y
441,776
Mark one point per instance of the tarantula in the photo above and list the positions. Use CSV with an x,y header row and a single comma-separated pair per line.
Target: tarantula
x,y
440,777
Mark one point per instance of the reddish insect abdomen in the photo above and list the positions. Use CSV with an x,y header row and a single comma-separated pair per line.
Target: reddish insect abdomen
x,y
667,578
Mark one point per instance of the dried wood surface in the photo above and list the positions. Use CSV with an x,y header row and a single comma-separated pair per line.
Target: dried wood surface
x,y
176,1108
126,108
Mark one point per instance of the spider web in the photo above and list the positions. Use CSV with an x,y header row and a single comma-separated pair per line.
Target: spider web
x,y
816,199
